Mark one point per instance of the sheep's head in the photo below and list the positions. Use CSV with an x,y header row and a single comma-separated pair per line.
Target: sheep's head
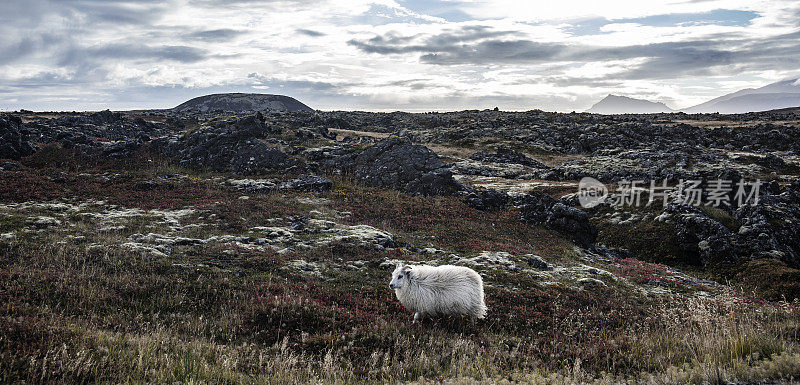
x,y
400,277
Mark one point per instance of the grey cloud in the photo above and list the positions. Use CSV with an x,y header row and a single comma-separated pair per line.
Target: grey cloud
x,y
183,54
482,46
17,50
413,84
309,32
496,51
24,34
214,35
450,41
301,86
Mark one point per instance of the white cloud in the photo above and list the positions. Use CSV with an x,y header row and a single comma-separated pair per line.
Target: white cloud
x,y
87,56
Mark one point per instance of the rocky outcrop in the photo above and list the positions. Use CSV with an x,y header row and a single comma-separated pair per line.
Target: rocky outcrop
x,y
768,229
771,229
308,183
702,239
399,164
437,182
507,155
14,138
89,129
486,200
236,146
394,162
122,149
555,215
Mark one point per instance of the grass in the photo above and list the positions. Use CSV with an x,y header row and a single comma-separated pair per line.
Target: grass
x,y
118,316
84,310
444,221
769,278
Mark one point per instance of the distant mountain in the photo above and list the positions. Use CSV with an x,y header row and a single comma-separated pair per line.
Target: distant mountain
x,y
241,102
782,94
613,104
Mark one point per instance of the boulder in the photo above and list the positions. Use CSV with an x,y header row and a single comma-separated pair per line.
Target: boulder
x,y
507,155
235,146
555,215
14,139
309,183
486,200
572,222
437,182
703,239
771,228
122,149
252,157
394,162
397,163
9,166
773,162
537,262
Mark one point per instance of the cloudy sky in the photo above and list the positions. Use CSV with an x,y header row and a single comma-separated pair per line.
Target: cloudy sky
x,y
380,55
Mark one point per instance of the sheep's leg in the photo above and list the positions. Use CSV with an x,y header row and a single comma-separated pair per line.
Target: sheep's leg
x,y
472,319
417,317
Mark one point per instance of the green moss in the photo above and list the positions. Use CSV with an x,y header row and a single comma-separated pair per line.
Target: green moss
x,y
10,223
649,240
722,217
358,148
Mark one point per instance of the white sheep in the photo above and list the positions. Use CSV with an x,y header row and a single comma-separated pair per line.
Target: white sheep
x,y
439,290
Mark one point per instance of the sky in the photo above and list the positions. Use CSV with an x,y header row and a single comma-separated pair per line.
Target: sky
x,y
388,55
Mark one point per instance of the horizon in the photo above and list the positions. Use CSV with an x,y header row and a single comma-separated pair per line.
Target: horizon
x,y
382,56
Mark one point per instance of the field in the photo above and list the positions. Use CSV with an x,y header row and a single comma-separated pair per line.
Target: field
x,y
106,279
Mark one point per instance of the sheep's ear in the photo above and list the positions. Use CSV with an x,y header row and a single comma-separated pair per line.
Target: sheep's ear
x,y
407,269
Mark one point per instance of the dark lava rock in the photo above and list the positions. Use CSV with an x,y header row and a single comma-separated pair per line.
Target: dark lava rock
x,y
300,224
105,117
767,229
538,263
507,155
70,139
555,215
309,183
234,146
773,162
252,157
437,182
87,129
14,140
573,222
487,199
703,239
397,163
9,166
146,185
771,228
122,149
536,208
313,133
394,162
610,253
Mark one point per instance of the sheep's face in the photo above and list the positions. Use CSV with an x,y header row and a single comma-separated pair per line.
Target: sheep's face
x,y
400,277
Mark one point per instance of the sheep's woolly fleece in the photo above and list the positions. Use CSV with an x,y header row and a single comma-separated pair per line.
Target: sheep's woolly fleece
x,y
439,290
